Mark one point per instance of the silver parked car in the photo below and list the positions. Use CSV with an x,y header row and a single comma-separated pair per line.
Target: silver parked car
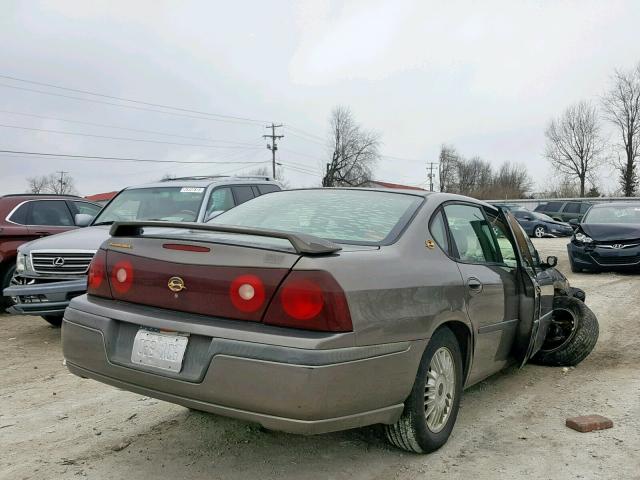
x,y
311,311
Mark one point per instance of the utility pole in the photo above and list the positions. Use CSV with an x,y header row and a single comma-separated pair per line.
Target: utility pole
x,y
61,190
273,146
431,175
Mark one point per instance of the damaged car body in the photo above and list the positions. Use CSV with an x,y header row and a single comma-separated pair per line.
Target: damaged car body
x,y
319,310
607,238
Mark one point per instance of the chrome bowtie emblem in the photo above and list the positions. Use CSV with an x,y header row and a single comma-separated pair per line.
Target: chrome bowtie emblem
x,y
58,262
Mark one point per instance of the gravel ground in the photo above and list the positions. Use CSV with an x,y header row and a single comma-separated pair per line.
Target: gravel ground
x,y
54,425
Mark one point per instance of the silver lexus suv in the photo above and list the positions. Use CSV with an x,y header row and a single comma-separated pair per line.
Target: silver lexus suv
x,y
51,271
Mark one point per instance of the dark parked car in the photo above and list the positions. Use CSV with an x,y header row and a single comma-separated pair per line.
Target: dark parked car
x,y
51,271
608,238
311,311
25,217
563,211
540,225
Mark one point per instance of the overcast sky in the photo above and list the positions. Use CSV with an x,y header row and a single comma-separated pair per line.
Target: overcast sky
x,y
486,77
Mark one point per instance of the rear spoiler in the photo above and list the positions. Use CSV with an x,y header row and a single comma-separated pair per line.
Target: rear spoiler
x,y
302,243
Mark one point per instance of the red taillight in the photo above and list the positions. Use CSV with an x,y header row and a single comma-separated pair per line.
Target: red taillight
x,y
302,300
247,293
122,276
311,300
97,278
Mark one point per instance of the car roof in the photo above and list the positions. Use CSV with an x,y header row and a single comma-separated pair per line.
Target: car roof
x,y
206,181
438,196
617,204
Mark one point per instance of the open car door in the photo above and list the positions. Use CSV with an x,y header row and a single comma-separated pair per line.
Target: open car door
x,y
531,331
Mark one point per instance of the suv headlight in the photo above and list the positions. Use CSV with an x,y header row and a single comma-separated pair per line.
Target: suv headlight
x,y
21,262
582,238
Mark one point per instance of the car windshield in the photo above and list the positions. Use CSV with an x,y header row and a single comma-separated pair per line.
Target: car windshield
x,y
345,216
613,214
174,204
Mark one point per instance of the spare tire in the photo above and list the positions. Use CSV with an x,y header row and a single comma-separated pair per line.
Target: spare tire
x,y
572,334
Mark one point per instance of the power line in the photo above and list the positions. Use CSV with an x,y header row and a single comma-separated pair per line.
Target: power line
x,y
128,139
123,159
123,99
117,127
133,107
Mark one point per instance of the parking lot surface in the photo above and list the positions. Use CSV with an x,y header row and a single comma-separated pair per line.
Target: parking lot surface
x,y
55,425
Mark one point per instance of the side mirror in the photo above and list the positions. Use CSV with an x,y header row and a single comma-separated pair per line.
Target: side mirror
x,y
82,219
527,217
574,223
552,261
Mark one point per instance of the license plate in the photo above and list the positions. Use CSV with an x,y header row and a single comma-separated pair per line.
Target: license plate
x,y
159,350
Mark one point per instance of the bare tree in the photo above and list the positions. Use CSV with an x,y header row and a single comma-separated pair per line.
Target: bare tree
x,y
621,106
511,181
574,146
447,167
37,184
354,151
52,183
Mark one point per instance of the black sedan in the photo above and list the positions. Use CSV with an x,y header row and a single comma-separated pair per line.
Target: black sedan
x,y
540,225
607,239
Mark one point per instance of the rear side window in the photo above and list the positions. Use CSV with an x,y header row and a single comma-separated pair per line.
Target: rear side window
x,y
439,232
50,212
268,189
20,216
471,234
572,207
86,208
584,207
242,194
553,207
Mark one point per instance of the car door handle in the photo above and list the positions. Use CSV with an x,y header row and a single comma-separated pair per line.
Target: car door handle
x,y
43,234
474,285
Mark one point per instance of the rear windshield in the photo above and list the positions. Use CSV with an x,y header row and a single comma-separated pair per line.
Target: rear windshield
x,y
613,214
343,216
171,204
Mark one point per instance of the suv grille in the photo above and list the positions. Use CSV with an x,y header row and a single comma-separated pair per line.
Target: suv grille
x,y
61,263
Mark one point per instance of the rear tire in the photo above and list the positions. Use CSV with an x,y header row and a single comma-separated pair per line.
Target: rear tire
x,y
439,381
54,320
572,336
6,274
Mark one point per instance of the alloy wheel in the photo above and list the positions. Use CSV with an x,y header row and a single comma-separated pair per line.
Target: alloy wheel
x,y
440,389
539,232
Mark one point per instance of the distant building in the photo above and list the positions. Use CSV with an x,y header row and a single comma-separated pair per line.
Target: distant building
x,y
379,184
101,198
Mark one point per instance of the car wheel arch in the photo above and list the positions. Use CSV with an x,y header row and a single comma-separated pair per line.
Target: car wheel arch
x,y
464,335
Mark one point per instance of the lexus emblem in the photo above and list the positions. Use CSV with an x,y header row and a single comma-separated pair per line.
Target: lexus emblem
x,y
617,246
58,262
176,284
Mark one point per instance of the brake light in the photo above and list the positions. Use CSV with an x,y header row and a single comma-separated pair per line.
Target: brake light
x,y
247,293
97,278
122,276
311,300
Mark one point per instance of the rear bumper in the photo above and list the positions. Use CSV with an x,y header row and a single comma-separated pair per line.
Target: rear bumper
x,y
44,298
262,374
